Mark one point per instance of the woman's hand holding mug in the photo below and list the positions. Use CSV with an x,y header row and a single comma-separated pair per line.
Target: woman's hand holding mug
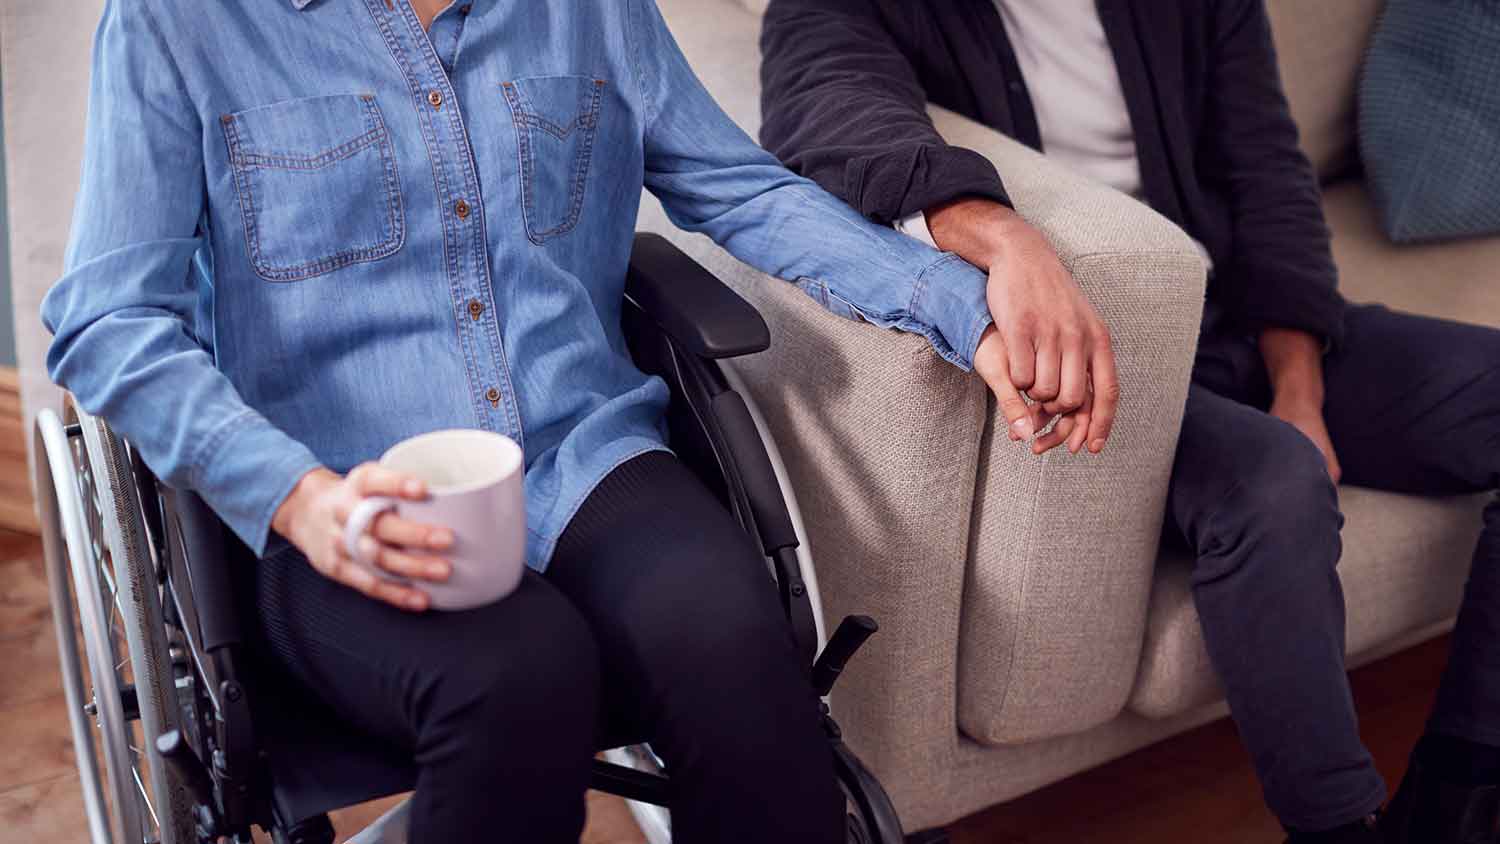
x,y
314,515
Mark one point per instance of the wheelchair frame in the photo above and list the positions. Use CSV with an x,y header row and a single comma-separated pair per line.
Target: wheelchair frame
x,y
119,545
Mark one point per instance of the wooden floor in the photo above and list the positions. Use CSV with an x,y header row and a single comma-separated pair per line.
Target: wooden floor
x,y
1194,788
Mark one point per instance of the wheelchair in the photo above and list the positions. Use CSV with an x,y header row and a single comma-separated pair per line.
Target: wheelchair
x,y
183,737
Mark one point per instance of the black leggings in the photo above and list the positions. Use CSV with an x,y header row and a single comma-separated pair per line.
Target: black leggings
x,y
656,610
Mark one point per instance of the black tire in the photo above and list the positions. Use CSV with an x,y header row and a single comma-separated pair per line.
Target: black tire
x,y
871,819
99,549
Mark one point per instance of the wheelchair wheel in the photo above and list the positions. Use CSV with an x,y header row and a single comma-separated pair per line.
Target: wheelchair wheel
x,y
105,591
870,817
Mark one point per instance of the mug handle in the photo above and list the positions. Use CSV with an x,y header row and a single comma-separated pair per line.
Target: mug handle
x,y
360,519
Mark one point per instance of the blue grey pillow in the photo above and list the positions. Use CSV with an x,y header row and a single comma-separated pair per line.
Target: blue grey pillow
x,y
1429,119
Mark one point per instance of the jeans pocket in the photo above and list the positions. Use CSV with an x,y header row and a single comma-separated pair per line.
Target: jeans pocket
x,y
317,185
556,119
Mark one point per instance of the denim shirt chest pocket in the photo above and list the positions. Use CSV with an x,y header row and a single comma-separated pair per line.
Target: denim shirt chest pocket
x,y
317,185
556,120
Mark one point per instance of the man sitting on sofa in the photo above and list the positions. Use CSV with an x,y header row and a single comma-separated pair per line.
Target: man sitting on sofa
x,y
1180,104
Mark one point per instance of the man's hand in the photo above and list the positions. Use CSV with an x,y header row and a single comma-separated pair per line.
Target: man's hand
x,y
1046,340
1294,363
312,518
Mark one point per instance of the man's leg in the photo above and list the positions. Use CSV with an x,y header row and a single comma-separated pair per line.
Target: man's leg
x,y
698,654
1413,405
1252,498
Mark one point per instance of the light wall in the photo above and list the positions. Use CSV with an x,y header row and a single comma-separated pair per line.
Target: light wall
x,y
7,328
44,71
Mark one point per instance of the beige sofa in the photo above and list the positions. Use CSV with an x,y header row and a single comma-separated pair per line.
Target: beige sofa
x,y
1029,629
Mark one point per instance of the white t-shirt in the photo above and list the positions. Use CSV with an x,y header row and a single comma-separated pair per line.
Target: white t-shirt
x,y
1075,91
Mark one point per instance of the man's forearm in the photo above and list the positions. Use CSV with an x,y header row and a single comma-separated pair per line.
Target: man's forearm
x,y
843,106
1294,363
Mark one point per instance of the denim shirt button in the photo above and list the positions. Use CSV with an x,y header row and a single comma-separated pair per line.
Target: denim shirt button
x,y
494,396
436,98
461,208
476,308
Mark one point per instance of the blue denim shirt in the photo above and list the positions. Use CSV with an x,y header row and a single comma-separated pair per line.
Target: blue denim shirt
x,y
308,229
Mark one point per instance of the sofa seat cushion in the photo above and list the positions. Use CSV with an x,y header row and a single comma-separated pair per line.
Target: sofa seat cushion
x,y
1405,562
1459,280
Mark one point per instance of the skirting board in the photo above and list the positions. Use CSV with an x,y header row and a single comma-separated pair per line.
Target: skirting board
x,y
16,510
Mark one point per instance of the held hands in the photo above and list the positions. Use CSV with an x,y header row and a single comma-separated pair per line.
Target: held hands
x,y
1046,340
312,518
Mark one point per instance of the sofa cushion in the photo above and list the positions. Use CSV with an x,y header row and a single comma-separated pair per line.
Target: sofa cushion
x,y
1404,566
1320,46
1459,280
1429,119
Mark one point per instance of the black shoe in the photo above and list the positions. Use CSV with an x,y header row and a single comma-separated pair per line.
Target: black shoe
x,y
1428,810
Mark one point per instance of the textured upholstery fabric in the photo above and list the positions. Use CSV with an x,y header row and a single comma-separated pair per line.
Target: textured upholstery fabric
x,y
1044,590
1320,46
1429,119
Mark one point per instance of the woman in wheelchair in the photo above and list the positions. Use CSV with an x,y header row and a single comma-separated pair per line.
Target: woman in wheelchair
x,y
308,229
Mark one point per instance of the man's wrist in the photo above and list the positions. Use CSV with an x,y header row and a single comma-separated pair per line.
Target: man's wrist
x,y
1294,365
974,228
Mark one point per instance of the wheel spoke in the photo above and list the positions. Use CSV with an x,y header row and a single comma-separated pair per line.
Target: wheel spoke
x,y
145,798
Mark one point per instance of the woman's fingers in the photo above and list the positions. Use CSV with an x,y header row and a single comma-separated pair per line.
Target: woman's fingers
x,y
391,529
366,582
991,362
375,479
1055,437
402,562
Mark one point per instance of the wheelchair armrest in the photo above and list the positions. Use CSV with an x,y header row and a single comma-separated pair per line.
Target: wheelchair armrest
x,y
208,556
693,307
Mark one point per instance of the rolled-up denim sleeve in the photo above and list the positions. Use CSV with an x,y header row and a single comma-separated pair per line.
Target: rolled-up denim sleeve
x,y
122,315
712,178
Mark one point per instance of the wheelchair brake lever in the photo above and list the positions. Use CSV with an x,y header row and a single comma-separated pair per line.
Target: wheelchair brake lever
x,y
852,633
191,774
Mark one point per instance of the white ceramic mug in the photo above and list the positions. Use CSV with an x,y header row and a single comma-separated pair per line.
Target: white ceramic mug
x,y
475,485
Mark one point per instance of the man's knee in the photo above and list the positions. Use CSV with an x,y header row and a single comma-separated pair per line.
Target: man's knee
x,y
1280,511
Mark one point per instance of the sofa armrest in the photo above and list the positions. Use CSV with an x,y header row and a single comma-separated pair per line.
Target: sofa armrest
x,y
1064,547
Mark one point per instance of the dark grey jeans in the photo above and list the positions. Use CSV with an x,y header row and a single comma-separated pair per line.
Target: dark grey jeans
x,y
1412,405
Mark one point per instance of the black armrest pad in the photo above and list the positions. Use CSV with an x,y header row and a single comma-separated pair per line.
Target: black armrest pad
x,y
693,307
